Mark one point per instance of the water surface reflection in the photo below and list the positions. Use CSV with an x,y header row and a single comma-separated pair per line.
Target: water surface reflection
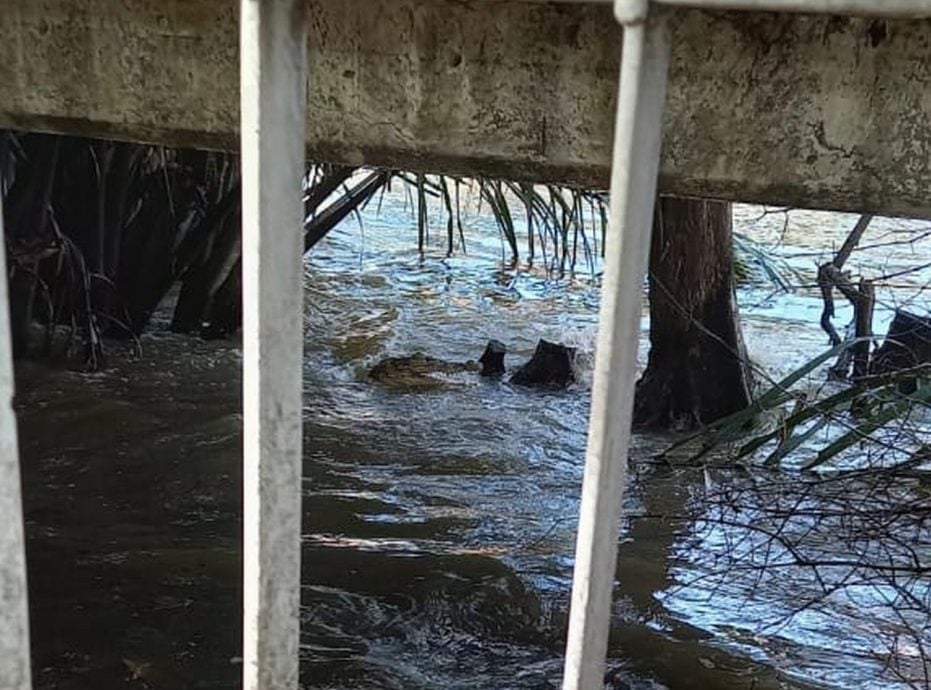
x,y
438,526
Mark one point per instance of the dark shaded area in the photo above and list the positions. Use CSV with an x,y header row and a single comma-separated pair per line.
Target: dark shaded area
x,y
551,365
99,232
697,369
133,554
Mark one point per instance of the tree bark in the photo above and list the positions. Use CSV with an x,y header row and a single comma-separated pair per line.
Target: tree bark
x,y
28,233
907,345
551,365
224,316
202,281
698,369
863,313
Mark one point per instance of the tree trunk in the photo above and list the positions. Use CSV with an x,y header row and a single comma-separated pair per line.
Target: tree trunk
x,y
863,313
551,365
201,282
29,233
224,317
697,370
907,345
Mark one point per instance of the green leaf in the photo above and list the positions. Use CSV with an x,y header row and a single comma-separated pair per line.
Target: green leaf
x,y
862,431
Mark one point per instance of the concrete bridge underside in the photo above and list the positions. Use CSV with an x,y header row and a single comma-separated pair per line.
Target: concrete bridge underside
x,y
822,112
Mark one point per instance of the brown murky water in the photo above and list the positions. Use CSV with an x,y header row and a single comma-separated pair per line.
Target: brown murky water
x,y
438,526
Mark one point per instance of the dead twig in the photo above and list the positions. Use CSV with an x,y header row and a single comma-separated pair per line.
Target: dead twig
x,y
831,276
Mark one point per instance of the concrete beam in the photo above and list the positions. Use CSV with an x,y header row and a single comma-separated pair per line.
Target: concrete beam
x,y
823,112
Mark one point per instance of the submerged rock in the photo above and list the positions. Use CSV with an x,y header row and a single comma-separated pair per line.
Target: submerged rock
x,y
551,365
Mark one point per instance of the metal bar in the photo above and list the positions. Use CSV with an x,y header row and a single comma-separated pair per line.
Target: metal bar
x,y
15,671
635,165
273,75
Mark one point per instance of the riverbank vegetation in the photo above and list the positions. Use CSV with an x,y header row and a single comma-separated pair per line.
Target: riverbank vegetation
x,y
834,477
98,234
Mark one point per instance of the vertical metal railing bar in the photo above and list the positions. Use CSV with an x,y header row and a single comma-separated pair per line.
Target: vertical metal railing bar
x,y
635,166
273,76
15,673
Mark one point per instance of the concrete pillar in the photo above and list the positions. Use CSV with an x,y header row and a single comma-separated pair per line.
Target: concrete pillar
x,y
635,165
14,611
273,103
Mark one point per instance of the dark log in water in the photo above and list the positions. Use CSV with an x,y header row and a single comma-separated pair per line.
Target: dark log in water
x,y
907,345
551,365
492,360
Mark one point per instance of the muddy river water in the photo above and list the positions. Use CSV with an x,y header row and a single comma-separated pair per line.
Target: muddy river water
x,y
438,525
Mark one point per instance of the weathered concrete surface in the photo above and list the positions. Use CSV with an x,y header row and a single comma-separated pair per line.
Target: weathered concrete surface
x,y
797,110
